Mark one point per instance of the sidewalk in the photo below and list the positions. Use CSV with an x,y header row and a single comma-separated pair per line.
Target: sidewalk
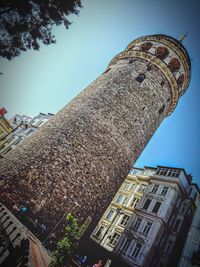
x,y
12,232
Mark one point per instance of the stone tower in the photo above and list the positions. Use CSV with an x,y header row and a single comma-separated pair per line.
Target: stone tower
x,y
86,150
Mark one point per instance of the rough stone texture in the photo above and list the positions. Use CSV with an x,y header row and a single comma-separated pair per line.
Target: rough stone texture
x,y
86,150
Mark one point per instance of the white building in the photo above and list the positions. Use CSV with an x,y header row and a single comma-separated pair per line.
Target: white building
x,y
23,126
190,256
142,224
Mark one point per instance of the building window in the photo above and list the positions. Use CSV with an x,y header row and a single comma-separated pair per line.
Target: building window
x,y
137,223
147,228
156,207
164,191
146,204
173,173
177,225
142,188
134,202
120,199
169,246
135,171
168,172
140,78
127,186
30,131
154,189
99,232
126,245
114,239
136,250
124,220
178,201
110,214
184,208
18,141
162,171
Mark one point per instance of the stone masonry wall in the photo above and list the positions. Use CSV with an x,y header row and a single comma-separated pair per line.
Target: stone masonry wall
x,y
86,150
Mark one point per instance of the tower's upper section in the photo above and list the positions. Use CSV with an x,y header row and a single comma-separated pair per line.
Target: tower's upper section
x,y
168,54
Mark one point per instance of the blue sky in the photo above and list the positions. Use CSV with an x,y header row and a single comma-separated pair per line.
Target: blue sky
x,y
47,80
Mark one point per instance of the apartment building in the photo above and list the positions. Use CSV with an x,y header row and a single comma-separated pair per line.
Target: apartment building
x,y
22,127
147,222
190,256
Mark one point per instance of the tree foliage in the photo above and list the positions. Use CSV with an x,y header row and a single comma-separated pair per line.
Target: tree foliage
x,y
27,23
67,245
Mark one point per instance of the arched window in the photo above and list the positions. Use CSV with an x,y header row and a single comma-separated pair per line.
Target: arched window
x,y
180,80
174,64
106,71
146,46
161,110
140,78
149,67
162,52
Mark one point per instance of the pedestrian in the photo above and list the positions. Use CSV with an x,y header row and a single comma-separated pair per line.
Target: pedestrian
x,y
99,264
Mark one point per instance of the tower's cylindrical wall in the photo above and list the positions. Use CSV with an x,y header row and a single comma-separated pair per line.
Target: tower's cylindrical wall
x,y
86,150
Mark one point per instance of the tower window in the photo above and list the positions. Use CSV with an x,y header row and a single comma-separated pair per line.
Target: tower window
x,y
130,61
140,78
148,67
162,83
174,64
146,46
106,71
161,109
180,80
162,52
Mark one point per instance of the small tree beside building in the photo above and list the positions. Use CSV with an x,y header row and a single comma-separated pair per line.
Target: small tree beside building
x,y
67,245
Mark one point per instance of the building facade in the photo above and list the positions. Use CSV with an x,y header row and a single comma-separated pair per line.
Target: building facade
x,y
87,149
147,222
5,128
190,256
21,127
